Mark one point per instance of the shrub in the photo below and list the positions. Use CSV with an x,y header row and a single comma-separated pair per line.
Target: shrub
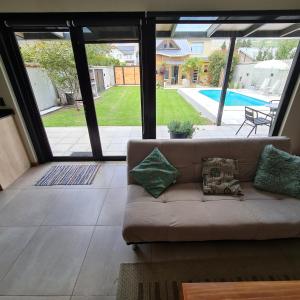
x,y
185,127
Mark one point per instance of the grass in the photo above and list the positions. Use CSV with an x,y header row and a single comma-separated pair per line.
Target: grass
x,y
120,106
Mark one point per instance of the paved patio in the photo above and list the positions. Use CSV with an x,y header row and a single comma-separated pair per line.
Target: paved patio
x,y
66,140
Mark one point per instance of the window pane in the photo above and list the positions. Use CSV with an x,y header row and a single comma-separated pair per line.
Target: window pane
x,y
259,74
115,78
197,48
189,78
50,65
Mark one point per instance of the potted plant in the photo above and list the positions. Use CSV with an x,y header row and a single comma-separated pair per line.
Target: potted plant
x,y
181,130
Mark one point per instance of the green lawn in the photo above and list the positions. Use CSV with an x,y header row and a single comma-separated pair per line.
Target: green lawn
x,y
120,106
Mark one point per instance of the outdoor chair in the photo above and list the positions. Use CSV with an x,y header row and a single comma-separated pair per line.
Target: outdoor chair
x,y
255,118
274,107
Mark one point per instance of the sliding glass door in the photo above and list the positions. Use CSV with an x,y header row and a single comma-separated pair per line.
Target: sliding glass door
x,y
114,68
83,83
49,62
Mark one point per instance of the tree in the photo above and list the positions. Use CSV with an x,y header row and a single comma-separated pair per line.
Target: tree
x,y
57,58
285,49
243,43
99,55
223,47
217,62
192,64
264,54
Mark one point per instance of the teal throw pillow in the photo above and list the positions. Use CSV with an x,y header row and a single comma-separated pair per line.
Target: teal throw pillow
x,y
155,173
278,172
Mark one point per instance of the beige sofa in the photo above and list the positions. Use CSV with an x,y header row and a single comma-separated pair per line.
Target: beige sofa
x,y
183,213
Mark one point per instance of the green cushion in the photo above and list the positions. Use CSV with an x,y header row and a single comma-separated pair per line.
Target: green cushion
x,y
278,172
155,173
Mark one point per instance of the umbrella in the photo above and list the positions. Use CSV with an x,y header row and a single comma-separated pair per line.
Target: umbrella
x,y
274,64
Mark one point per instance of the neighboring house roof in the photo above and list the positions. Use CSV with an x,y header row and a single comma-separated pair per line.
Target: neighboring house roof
x,y
183,48
126,50
253,52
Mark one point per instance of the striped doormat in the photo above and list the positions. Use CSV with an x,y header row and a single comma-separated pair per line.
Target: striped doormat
x,y
69,175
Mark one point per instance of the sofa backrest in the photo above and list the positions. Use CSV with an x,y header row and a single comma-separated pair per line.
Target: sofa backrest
x,y
186,155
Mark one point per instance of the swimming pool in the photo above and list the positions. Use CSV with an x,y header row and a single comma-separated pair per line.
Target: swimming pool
x,y
233,98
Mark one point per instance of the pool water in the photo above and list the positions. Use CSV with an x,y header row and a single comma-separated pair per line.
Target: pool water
x,y
233,98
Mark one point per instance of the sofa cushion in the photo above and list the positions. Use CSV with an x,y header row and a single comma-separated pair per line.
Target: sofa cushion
x,y
186,155
219,176
278,171
183,213
155,173
276,218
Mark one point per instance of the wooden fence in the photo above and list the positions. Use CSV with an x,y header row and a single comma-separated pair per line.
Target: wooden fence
x,y
127,75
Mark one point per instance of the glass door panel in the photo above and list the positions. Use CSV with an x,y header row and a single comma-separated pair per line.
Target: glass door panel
x,y
114,70
49,62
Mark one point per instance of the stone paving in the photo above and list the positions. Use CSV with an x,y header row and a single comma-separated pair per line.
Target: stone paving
x,y
66,140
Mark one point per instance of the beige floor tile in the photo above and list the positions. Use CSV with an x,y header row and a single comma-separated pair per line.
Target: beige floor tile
x,y
28,208
120,176
112,212
7,195
99,272
104,176
50,263
76,207
12,241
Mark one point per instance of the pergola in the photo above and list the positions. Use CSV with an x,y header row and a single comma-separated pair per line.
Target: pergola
x,y
227,27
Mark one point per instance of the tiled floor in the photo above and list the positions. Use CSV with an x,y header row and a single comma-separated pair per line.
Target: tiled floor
x,y
64,242
66,140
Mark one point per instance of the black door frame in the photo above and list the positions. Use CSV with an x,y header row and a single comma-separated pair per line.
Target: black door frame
x,y
11,22
9,50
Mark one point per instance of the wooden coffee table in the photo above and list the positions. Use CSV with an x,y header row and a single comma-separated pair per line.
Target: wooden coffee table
x,y
254,290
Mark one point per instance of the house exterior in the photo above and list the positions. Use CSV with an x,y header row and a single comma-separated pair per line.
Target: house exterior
x,y
171,55
126,53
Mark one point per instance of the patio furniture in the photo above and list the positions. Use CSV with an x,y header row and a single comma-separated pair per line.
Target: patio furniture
x,y
255,118
274,88
265,85
273,105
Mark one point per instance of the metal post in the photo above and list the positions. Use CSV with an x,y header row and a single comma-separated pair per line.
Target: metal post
x,y
14,65
225,81
86,89
148,78
287,93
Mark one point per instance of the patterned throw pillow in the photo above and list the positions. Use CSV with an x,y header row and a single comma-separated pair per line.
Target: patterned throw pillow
x,y
218,176
278,172
155,173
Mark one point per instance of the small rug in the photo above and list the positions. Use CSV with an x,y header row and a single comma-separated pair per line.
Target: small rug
x,y
69,175
162,281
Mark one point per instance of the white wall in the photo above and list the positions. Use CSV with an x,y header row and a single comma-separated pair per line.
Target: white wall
x,y
256,77
109,77
143,5
43,89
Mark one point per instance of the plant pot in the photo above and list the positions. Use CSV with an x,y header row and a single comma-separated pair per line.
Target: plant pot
x,y
174,135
